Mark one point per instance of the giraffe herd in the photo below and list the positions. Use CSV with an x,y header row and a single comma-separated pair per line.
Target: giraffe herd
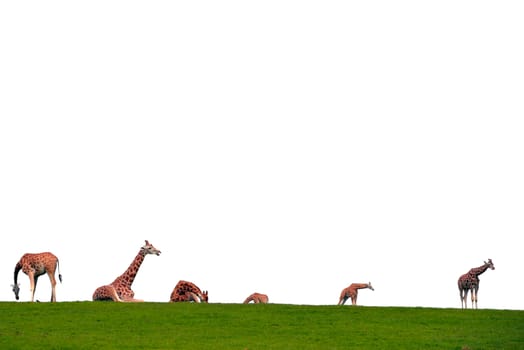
x,y
35,265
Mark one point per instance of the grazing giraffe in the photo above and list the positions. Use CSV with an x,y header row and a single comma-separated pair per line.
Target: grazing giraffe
x,y
352,292
34,266
471,281
188,291
257,298
120,289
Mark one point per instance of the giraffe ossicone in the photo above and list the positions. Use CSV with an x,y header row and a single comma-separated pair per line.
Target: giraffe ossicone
x,y
120,289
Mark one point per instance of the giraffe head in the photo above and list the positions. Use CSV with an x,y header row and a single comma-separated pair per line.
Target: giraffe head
x,y
150,249
205,297
370,286
490,264
16,290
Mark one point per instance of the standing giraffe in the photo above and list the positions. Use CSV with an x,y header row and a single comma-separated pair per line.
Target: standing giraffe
x,y
471,281
34,266
257,298
120,289
188,291
352,291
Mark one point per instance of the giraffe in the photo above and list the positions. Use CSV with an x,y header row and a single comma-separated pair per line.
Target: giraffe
x,y
120,290
471,281
188,291
257,298
352,291
34,266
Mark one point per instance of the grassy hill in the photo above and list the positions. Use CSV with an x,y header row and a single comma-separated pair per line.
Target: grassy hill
x,y
88,325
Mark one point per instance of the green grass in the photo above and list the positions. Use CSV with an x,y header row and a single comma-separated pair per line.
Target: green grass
x,y
104,325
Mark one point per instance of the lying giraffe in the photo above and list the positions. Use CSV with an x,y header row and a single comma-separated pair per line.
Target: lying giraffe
x,y
188,291
34,266
257,298
120,290
352,292
471,281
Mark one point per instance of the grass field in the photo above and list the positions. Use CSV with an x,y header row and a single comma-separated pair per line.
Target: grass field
x,y
104,325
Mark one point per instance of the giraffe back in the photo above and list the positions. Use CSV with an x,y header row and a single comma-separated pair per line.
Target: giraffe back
x,y
38,263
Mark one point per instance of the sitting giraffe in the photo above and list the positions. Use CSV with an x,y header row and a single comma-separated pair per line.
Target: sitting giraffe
x,y
352,292
257,298
471,281
34,266
120,289
188,291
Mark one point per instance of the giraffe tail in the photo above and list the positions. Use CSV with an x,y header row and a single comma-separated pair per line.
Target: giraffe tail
x,y
59,274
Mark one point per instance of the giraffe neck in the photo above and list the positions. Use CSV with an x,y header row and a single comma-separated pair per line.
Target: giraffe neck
x,y
360,285
478,270
129,275
18,267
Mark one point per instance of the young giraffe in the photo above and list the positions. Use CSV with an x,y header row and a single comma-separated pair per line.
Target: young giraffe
x,y
187,291
352,291
471,281
34,266
120,289
257,298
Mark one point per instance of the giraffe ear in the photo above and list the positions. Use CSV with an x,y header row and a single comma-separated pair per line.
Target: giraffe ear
x,y
147,242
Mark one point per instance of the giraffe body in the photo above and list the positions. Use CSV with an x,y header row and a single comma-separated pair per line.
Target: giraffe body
x,y
185,291
120,290
352,292
257,298
34,266
470,282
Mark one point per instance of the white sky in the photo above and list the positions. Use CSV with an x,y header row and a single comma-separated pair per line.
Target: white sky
x,y
284,147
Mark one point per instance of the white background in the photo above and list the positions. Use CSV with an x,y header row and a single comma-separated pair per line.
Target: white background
x,y
284,147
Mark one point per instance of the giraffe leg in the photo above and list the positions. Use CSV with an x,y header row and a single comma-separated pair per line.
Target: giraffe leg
x,y
343,297
465,298
32,281
472,298
53,286
106,293
132,300
354,298
193,296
